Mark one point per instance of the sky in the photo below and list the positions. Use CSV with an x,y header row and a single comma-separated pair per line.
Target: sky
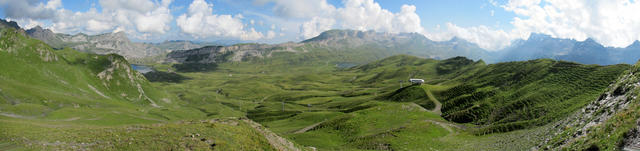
x,y
492,24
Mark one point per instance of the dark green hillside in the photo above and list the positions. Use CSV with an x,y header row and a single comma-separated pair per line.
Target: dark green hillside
x,y
414,93
452,64
400,68
308,98
516,95
498,97
609,122
34,73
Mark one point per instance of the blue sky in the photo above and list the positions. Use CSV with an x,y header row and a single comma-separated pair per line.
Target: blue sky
x,y
492,24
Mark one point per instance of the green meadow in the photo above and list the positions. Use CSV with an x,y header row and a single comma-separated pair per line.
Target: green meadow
x,y
68,100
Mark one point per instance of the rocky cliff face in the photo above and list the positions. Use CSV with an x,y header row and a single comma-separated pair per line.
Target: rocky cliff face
x,y
613,115
45,35
9,24
118,76
117,43
240,52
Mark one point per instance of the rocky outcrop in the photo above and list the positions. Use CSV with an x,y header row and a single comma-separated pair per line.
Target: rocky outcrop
x,y
117,43
616,99
9,24
45,35
120,73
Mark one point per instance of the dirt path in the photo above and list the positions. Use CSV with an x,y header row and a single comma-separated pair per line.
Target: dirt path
x,y
447,126
308,128
9,146
438,107
16,116
276,141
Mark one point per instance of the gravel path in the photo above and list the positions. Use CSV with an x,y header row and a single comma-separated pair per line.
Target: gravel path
x,y
308,128
280,143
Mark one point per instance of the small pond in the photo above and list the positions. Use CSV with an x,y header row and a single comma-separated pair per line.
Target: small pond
x,y
141,68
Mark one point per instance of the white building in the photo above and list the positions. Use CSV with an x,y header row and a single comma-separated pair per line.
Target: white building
x,y
416,81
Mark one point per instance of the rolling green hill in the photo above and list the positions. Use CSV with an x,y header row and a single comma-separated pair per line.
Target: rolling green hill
x,y
372,107
609,122
498,97
69,100
516,95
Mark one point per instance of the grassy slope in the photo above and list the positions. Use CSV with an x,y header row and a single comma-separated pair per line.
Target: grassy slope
x,y
64,99
516,95
614,121
313,103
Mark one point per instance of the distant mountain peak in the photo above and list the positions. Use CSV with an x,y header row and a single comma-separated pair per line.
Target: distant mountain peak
x,y
356,37
635,44
539,36
336,34
10,24
590,40
39,29
120,34
456,38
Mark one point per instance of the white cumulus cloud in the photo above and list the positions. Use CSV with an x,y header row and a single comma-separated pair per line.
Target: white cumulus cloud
x,y
139,18
200,22
299,8
30,9
364,15
483,36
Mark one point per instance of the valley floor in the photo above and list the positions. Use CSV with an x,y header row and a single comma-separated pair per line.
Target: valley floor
x,y
320,108
302,107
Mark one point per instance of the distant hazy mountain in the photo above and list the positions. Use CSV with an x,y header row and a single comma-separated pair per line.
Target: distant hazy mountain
x,y
350,46
9,24
178,45
100,44
115,43
398,43
586,52
238,52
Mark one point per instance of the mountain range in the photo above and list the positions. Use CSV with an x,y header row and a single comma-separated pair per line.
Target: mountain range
x,y
364,46
379,44
588,51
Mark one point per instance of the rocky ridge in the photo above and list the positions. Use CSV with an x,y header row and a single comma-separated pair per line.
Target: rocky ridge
x,y
106,43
